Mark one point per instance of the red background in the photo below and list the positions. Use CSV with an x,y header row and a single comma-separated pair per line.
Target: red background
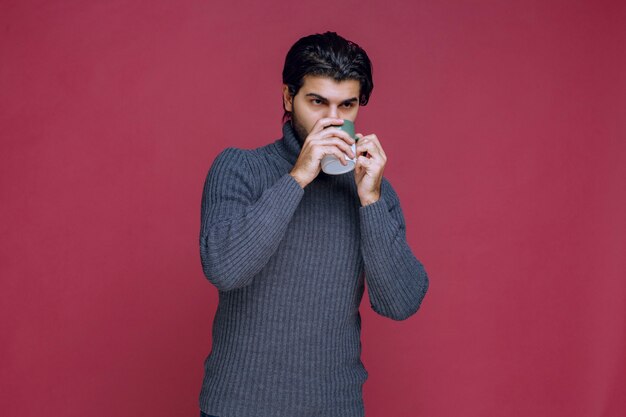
x,y
505,131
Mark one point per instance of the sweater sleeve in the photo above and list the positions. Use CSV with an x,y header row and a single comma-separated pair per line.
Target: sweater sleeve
x,y
240,226
396,280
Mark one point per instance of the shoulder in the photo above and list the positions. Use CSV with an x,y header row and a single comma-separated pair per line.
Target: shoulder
x,y
229,170
230,174
230,155
231,160
244,158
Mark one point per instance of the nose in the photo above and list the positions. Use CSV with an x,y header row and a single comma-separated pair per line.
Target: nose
x,y
333,112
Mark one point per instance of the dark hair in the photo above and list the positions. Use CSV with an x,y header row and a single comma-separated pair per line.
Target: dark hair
x,y
327,55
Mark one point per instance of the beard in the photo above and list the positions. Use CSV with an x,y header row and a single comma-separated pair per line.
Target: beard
x,y
301,132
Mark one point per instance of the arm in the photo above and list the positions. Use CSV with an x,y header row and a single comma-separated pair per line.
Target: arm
x,y
240,230
396,280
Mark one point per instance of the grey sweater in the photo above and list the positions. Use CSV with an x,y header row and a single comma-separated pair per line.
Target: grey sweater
x,y
289,265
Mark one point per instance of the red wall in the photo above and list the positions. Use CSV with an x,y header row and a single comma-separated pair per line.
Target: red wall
x,y
504,124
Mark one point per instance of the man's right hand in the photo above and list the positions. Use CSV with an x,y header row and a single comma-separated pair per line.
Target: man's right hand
x,y
320,142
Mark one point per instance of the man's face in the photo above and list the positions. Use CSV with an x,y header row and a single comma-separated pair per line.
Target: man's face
x,y
321,97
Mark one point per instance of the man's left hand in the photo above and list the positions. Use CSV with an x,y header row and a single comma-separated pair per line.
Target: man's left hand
x,y
368,172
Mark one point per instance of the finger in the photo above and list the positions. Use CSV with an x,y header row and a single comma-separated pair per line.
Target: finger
x,y
363,160
360,167
376,142
372,165
324,122
373,151
349,150
335,131
332,150
359,172
364,163
365,145
319,152
338,143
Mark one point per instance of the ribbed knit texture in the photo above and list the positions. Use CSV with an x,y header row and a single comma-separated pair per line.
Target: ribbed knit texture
x,y
290,266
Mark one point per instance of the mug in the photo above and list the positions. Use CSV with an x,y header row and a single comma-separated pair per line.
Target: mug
x,y
330,163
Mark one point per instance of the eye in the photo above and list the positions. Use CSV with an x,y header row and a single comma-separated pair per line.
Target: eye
x,y
316,101
348,105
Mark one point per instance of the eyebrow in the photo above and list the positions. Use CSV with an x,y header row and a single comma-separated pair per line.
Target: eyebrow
x,y
325,100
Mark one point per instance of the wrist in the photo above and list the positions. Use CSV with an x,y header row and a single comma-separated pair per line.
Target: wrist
x,y
366,201
300,181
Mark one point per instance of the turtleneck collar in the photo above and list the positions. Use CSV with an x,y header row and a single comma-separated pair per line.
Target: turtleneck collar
x,y
289,145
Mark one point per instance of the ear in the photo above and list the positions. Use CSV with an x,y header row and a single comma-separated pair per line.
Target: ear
x,y
287,99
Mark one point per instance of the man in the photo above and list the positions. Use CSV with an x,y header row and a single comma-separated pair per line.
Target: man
x,y
289,248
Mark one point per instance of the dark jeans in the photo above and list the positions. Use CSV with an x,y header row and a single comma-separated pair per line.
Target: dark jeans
x,y
205,415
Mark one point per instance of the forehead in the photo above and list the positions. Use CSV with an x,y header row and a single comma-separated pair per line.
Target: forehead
x,y
329,88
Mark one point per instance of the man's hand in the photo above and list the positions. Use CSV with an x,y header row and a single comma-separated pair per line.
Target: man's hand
x,y
321,141
369,168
